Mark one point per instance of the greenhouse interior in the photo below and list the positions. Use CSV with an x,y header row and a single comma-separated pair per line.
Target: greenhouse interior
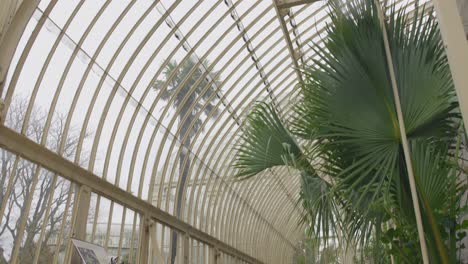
x,y
234,131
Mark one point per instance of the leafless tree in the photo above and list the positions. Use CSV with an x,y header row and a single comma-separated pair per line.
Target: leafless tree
x,y
23,174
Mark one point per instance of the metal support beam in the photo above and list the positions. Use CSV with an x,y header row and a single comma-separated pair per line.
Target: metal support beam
x,y
456,47
463,10
11,37
30,150
82,201
144,240
3,106
186,248
215,256
280,13
291,3
155,253
7,12
404,139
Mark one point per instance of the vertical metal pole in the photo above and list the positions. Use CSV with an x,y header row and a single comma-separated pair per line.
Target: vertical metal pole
x,y
456,47
214,256
155,252
46,216
83,201
21,226
144,242
61,234
404,139
211,255
218,259
186,249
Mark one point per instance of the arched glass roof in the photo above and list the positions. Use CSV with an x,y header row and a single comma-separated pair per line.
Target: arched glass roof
x,y
89,81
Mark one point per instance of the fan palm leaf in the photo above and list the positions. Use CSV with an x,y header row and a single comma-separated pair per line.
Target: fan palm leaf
x,y
348,116
348,102
266,143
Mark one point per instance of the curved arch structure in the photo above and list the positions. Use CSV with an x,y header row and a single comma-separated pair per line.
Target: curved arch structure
x,y
89,99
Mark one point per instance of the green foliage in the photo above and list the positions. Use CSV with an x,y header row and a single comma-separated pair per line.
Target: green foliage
x,y
311,253
329,255
372,253
348,121
267,144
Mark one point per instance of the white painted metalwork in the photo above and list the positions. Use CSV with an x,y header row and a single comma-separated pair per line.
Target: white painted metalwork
x,y
89,67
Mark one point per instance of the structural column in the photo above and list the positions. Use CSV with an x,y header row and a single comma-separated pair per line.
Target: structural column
x,y
155,252
186,248
82,200
404,139
456,47
144,241
214,256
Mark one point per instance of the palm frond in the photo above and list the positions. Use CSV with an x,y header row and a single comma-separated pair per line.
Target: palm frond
x,y
321,207
346,114
348,106
266,143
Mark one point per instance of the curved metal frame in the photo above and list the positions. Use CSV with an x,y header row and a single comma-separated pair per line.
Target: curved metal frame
x,y
139,140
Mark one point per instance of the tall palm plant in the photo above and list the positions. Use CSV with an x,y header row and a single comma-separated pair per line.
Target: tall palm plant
x,y
188,88
358,179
